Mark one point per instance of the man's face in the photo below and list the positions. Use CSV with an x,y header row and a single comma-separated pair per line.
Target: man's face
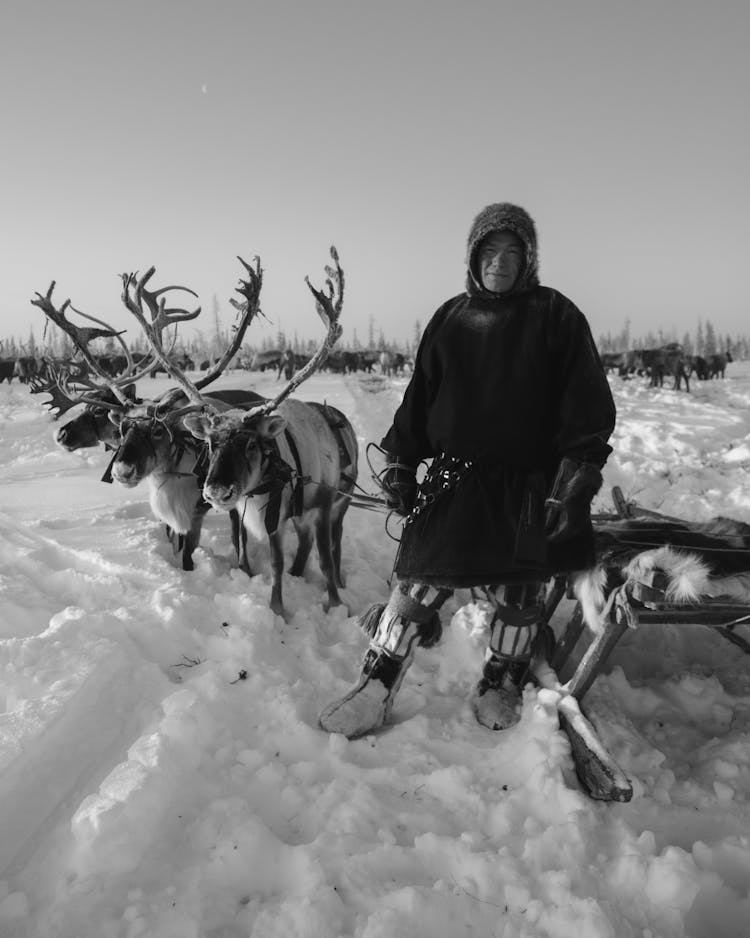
x,y
501,257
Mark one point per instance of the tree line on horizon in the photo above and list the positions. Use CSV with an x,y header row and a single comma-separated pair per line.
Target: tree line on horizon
x,y
704,341
200,345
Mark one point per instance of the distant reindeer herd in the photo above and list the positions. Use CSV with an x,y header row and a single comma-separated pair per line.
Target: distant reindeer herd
x,y
30,369
667,360
266,463
340,361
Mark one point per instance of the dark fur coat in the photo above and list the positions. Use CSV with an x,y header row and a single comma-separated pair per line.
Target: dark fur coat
x,y
512,383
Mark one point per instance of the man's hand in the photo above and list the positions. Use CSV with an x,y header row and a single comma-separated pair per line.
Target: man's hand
x,y
567,520
569,503
399,483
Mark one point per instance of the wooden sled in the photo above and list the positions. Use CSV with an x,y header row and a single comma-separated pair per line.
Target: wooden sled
x,y
629,604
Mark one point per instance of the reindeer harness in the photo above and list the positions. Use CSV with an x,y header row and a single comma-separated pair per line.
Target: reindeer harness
x,y
276,473
181,442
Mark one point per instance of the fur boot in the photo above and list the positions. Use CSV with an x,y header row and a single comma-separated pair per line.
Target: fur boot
x,y
497,697
402,625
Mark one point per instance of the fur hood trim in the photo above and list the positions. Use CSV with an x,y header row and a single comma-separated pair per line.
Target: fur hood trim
x,y
503,216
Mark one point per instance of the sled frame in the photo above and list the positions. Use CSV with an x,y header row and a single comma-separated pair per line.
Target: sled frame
x,y
632,605
628,606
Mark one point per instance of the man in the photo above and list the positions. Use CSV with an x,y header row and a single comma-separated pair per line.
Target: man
x,y
286,364
510,402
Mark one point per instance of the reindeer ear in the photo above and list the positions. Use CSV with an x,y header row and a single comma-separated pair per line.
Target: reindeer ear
x,y
271,426
115,417
197,424
129,391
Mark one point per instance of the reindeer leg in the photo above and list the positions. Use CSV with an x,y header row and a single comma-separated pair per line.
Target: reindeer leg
x,y
191,538
188,547
244,563
239,541
325,556
276,542
239,534
175,539
303,549
234,521
337,530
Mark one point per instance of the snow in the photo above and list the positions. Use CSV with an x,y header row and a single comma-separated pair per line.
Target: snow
x,y
147,788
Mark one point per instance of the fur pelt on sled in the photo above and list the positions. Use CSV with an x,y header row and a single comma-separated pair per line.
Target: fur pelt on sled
x,y
689,560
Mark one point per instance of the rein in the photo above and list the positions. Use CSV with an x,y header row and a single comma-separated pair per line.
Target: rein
x,y
357,499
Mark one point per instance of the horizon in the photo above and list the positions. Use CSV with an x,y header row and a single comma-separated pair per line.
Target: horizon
x,y
611,341
278,131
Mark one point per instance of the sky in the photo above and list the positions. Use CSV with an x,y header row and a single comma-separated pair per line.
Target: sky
x,y
180,134
147,790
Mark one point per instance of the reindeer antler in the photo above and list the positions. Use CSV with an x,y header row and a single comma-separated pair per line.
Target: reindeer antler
x,y
248,310
53,383
328,305
81,336
131,374
134,295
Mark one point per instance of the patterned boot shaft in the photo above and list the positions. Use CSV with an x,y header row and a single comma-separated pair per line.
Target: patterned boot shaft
x,y
515,627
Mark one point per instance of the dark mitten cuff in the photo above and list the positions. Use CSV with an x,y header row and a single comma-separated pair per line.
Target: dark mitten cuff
x,y
568,506
399,483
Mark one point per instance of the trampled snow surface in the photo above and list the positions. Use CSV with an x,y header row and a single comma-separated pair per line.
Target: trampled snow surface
x,y
147,790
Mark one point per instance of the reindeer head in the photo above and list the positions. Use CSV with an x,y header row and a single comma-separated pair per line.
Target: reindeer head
x,y
240,446
92,424
150,441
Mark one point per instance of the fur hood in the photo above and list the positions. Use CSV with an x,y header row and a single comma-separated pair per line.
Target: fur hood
x,y
503,216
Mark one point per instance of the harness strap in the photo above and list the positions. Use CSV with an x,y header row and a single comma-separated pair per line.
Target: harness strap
x,y
273,485
298,491
200,468
278,474
107,477
337,430
337,423
179,447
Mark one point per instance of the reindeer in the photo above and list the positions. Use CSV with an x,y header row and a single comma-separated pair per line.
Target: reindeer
x,y
281,460
717,364
275,467
154,445
150,443
668,359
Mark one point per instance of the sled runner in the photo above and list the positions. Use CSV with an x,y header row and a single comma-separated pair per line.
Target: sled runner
x,y
652,569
